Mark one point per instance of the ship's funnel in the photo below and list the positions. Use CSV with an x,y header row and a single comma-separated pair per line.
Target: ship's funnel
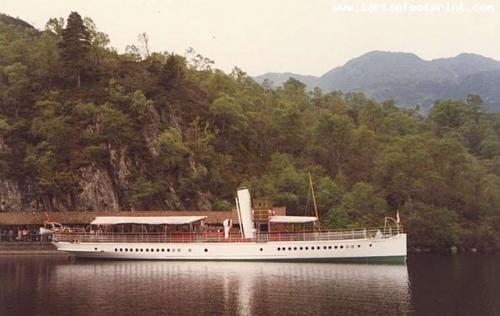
x,y
245,212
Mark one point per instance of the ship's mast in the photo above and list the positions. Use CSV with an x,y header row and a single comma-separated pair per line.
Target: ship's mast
x,y
313,198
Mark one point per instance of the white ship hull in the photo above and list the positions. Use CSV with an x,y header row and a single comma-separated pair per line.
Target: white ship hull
x,y
388,248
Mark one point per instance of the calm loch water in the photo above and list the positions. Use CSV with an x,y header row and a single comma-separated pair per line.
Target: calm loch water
x,y
427,285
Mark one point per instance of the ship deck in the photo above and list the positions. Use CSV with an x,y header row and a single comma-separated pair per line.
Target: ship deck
x,y
217,237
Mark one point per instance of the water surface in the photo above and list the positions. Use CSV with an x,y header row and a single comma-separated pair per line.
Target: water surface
x,y
427,285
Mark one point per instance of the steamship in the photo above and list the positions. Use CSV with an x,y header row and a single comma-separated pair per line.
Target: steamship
x,y
260,237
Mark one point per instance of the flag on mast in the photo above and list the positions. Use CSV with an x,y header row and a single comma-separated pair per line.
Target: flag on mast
x,y
397,217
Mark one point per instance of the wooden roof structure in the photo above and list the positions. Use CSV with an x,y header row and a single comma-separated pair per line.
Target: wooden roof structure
x,y
84,218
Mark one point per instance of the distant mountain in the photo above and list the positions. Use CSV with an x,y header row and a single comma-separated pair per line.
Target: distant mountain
x,y
408,79
278,78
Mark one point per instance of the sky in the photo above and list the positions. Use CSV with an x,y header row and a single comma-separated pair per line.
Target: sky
x,y
305,37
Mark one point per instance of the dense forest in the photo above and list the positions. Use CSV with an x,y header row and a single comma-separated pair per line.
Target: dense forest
x,y
83,127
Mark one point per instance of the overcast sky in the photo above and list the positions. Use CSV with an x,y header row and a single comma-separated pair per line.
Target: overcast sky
x,y
307,37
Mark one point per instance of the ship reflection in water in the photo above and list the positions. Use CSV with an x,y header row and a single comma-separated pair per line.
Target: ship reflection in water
x,y
232,288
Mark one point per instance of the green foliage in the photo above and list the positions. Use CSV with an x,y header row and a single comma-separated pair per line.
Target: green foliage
x,y
173,152
144,192
114,126
361,206
74,47
332,137
228,113
399,124
283,183
222,205
173,72
433,227
172,132
448,114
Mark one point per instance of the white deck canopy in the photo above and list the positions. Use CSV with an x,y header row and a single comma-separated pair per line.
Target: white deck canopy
x,y
292,219
146,220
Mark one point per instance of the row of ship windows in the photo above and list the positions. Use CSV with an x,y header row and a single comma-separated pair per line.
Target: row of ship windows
x,y
318,247
147,250
206,250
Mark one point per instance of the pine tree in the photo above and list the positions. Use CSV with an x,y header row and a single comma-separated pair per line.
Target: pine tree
x,y
74,47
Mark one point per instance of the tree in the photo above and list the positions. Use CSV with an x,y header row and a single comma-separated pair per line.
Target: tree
x,y
145,194
294,92
399,124
332,137
98,42
229,116
372,116
174,153
401,169
364,204
74,47
448,114
172,72
14,91
115,127
55,26
284,183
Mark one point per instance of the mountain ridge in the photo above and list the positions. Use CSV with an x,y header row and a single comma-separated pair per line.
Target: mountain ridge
x,y
407,79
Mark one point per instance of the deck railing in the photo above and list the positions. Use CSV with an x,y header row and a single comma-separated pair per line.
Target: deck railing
x,y
219,237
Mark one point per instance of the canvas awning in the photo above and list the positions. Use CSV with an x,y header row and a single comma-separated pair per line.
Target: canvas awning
x,y
146,220
292,219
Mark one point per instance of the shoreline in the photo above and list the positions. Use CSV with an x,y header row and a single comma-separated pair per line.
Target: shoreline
x,y
48,249
33,252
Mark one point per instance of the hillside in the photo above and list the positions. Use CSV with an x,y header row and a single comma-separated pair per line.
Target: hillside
x,y
408,79
11,21
85,128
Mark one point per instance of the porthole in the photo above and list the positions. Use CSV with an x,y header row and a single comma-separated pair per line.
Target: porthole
x,y
152,250
289,248
312,248
178,249
294,248
341,247
324,247
142,249
261,249
162,249
189,250
329,247
136,249
147,250
336,247
126,249
206,250
168,249
173,250
121,249
370,245
301,248
359,246
319,248
116,249
95,249
279,248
